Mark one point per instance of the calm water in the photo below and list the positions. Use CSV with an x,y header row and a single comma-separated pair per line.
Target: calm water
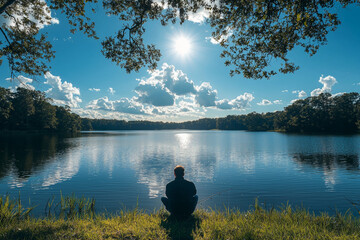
x,y
122,168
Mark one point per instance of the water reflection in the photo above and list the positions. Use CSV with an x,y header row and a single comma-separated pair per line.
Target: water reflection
x,y
328,164
154,158
25,155
118,167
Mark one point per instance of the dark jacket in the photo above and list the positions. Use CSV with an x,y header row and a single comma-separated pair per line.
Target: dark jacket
x,y
180,193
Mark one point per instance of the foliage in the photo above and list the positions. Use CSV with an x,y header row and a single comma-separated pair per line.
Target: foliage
x,y
30,110
70,207
324,113
256,223
252,33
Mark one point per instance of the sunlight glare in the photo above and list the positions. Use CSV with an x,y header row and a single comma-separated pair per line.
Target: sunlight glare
x,y
182,46
184,139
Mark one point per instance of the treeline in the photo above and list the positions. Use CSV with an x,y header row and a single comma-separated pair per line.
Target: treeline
x,y
324,113
30,110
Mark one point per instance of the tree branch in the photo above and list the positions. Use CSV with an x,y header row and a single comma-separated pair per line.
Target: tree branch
x,y
5,36
7,4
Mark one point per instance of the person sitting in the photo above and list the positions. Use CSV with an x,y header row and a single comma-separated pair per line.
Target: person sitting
x,y
181,195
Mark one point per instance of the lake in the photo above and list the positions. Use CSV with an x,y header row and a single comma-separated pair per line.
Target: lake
x,y
122,169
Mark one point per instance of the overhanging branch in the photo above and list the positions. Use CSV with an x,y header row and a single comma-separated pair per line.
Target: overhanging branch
x,y
7,4
7,39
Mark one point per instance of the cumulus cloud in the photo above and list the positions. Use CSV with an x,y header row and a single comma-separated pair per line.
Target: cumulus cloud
x,y
205,96
101,104
126,105
327,82
200,16
7,21
285,91
177,82
294,100
154,93
264,102
111,90
123,105
302,94
241,102
62,93
169,92
278,102
94,89
22,82
182,108
163,86
174,80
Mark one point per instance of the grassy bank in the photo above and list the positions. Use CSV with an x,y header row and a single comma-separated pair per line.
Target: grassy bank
x,y
75,219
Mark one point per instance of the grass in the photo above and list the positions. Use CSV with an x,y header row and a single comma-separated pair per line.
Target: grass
x,y
75,218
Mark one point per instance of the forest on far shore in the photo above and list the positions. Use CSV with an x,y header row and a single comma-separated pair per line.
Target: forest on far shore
x,y
27,109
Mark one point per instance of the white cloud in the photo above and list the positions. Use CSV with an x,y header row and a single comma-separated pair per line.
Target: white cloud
x,y
223,38
183,108
285,91
63,93
94,89
164,86
278,102
167,92
199,16
101,104
224,104
338,94
327,82
123,105
7,21
302,94
22,82
111,90
205,96
174,80
264,102
241,102
154,93
126,105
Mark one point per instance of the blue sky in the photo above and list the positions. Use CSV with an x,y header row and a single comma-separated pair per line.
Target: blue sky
x,y
189,86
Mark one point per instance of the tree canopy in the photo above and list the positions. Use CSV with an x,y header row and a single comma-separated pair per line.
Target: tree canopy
x,y
26,109
252,33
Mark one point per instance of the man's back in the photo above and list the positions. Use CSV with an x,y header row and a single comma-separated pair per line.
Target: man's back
x,y
180,189
180,193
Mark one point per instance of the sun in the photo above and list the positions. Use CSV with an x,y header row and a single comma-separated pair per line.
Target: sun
x,y
182,46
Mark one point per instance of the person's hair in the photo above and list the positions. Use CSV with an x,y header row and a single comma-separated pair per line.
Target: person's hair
x,y
179,171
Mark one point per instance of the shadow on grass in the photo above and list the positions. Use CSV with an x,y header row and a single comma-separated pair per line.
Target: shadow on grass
x,y
181,228
43,232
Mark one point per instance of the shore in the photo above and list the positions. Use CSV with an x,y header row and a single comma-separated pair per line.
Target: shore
x,y
76,219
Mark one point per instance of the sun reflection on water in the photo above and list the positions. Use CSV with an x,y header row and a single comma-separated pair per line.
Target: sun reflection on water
x,y
183,139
